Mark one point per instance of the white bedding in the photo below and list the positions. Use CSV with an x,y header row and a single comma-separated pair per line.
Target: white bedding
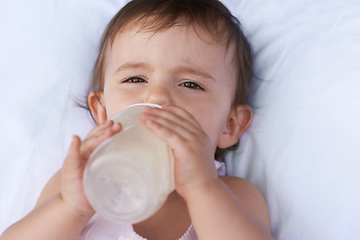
x,y
301,149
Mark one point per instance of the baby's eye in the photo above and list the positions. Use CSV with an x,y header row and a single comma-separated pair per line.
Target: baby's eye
x,y
134,80
192,85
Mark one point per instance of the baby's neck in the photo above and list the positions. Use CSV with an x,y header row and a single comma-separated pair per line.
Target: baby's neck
x,y
170,222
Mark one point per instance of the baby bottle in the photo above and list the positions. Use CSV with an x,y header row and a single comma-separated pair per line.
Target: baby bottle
x,y
129,176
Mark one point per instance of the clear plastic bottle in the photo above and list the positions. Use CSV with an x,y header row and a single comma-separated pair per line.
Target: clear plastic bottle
x,y
129,176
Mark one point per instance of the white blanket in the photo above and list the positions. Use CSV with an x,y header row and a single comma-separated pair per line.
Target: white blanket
x,y
301,149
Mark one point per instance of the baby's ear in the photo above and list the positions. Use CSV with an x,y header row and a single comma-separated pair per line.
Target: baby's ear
x,y
97,106
238,121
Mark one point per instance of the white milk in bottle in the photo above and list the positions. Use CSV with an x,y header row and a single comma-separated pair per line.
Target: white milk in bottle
x,y
129,176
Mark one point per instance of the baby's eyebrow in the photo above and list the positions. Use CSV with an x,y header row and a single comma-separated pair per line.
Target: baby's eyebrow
x,y
176,70
133,65
194,71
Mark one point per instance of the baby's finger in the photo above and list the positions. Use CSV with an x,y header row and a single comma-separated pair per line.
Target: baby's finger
x,y
166,127
73,160
181,123
172,136
182,113
100,127
94,141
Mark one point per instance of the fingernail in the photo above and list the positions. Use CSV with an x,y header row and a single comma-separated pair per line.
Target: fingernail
x,y
116,125
74,138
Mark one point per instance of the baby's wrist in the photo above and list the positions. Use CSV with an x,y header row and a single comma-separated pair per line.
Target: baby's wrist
x,y
202,189
74,212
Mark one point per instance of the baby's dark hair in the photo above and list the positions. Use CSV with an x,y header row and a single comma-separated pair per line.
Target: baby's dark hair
x,y
157,15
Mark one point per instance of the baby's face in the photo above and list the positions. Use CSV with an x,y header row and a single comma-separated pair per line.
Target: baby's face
x,y
175,67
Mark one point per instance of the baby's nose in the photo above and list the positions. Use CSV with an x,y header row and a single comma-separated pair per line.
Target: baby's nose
x,y
158,95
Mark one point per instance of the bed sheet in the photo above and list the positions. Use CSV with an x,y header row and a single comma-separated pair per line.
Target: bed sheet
x,y
47,50
301,149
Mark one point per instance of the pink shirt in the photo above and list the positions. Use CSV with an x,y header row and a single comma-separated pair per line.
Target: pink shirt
x,y
100,228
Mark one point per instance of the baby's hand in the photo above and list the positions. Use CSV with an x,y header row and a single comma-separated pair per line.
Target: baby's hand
x,y
191,147
72,191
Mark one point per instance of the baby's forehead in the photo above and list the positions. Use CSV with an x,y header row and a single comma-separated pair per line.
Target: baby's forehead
x,y
218,32
186,30
173,48
185,44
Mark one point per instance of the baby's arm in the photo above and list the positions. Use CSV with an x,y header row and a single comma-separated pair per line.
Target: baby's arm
x,y
53,220
217,212
230,208
63,210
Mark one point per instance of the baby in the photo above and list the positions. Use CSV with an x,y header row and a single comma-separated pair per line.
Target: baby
x,y
190,57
